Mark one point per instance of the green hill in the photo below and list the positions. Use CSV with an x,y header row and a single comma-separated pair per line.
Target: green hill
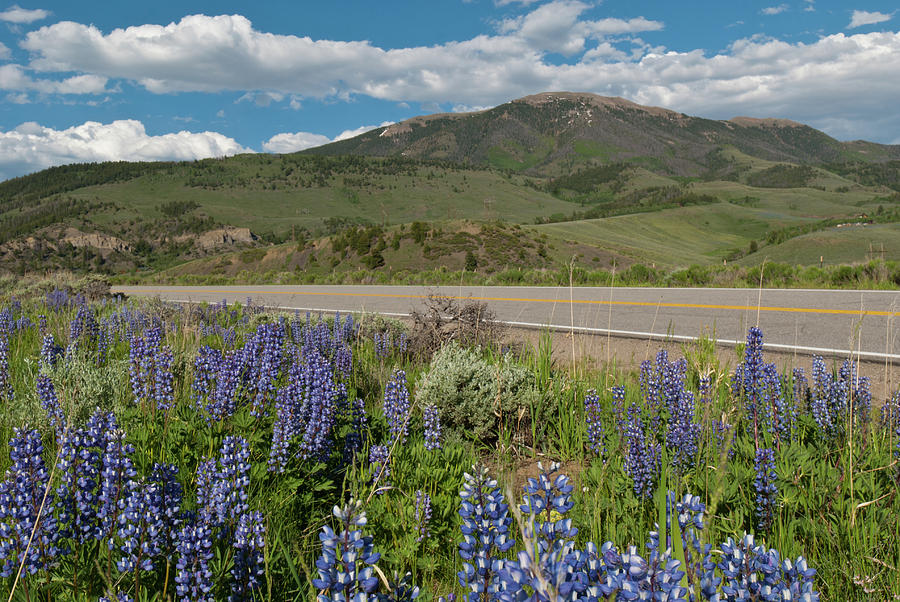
x,y
594,180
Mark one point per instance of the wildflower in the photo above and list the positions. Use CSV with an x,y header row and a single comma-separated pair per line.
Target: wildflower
x,y
422,515
397,405
766,490
432,421
594,423
345,566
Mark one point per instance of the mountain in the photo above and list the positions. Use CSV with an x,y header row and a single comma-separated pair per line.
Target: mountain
x,y
553,133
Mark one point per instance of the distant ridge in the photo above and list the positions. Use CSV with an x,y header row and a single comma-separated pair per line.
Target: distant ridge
x,y
552,132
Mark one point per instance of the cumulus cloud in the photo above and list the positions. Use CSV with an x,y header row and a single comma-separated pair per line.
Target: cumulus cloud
x,y
4,52
13,77
862,17
292,142
30,146
774,10
17,14
854,76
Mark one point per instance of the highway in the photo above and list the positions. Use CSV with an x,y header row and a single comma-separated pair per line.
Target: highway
x,y
828,322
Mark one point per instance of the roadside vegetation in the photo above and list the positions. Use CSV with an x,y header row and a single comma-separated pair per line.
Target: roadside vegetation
x,y
208,452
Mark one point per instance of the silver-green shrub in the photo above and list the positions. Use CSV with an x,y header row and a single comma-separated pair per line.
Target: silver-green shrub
x,y
473,395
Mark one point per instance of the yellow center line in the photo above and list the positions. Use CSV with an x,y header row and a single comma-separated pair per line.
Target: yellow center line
x,y
801,310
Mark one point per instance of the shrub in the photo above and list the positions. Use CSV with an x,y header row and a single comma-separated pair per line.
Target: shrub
x,y
472,395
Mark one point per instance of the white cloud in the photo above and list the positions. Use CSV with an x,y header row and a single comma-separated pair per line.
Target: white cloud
x,y
507,2
30,146
13,77
292,142
774,10
851,76
17,14
810,6
4,52
862,17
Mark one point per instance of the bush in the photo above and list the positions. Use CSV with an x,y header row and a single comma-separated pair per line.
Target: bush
x,y
472,395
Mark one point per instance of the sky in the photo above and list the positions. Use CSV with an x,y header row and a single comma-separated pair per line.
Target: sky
x,y
99,81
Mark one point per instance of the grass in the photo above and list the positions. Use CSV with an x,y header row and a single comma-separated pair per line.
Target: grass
x,y
836,501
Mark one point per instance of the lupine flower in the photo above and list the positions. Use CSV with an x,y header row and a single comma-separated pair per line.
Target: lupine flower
x,y
594,421
50,402
22,507
432,421
264,354
229,489
6,388
249,566
118,471
140,527
765,487
165,477
379,459
682,432
50,353
618,401
422,515
356,438
193,577
150,368
833,400
397,405
485,529
345,566
80,464
642,456
751,572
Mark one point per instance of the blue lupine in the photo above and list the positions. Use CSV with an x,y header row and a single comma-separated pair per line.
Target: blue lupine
x,y
397,405
345,565
642,455
249,565
264,354
150,369
699,567
229,491
747,381
765,487
682,432
835,399
486,538
193,576
432,419
22,510
752,572
6,388
117,473
80,464
140,528
592,415
165,476
46,393
422,515
50,353
379,459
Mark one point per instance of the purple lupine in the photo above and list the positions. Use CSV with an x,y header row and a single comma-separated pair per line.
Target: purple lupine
x,y
486,537
422,515
150,369
50,353
800,388
80,465
232,481
397,405
249,564
766,490
193,576
592,415
642,455
834,399
165,476
751,572
118,471
379,459
46,393
747,381
6,388
618,403
264,354
432,420
345,566
682,432
382,342
140,528
355,440
28,530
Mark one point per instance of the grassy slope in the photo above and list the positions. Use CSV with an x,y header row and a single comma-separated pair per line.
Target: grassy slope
x,y
433,193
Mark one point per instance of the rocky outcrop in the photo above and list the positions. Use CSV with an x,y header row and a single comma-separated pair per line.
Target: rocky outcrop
x,y
104,242
225,237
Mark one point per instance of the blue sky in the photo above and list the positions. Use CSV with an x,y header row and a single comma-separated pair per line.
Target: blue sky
x,y
165,80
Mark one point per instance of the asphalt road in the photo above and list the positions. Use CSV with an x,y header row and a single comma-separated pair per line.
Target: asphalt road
x,y
812,321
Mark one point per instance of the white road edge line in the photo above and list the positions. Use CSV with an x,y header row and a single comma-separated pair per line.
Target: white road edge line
x,y
631,334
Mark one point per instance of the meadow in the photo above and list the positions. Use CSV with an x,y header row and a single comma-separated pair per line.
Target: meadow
x,y
164,452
